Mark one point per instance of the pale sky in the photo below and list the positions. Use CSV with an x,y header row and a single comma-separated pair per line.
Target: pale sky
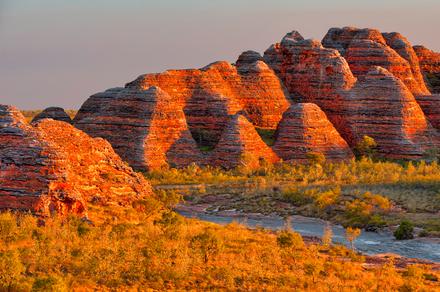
x,y
59,52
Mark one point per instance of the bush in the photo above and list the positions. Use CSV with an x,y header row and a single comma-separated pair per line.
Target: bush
x,y
49,284
315,158
168,218
351,234
287,239
366,148
11,269
328,198
296,197
207,243
404,231
169,198
376,221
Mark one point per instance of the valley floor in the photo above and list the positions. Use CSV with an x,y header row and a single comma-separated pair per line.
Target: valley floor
x,y
363,194
148,247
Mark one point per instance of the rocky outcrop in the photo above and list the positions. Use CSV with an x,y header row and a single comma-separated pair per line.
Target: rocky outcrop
x,y
210,95
54,168
145,127
320,75
305,129
403,47
313,74
55,113
430,66
364,81
382,107
430,105
240,145
366,48
28,167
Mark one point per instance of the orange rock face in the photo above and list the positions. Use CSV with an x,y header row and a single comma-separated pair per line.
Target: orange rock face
x,y
382,107
404,48
210,95
313,74
373,104
145,127
430,106
240,145
53,167
55,113
430,66
364,81
366,48
305,129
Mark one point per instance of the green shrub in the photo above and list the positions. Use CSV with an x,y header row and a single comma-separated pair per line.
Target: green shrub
x,y
404,231
296,197
287,239
375,221
83,228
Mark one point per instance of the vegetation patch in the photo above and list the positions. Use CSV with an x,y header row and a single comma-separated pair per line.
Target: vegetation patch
x,y
173,253
361,193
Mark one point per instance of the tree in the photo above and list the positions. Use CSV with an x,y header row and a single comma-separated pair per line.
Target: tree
x,y
351,234
404,231
327,235
366,147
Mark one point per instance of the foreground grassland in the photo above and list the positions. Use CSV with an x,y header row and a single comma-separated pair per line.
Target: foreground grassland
x,y
360,193
167,252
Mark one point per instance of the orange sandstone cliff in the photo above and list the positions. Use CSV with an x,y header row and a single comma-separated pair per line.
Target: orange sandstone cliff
x,y
145,127
208,96
240,145
54,168
305,129
366,48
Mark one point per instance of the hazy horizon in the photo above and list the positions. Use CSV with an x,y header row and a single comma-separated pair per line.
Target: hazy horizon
x,y
58,53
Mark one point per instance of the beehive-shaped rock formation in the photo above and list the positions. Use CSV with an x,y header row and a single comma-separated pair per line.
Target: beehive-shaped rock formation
x,y
209,95
305,129
382,107
430,66
430,105
53,167
55,113
240,145
366,48
313,74
145,127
